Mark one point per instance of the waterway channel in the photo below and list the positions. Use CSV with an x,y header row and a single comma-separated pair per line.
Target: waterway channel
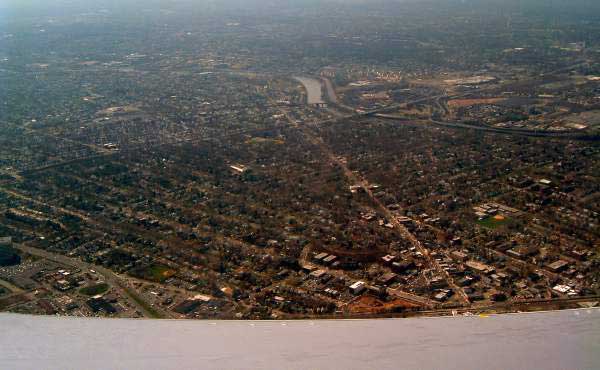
x,y
314,89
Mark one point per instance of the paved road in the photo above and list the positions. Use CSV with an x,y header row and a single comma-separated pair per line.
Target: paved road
x,y
13,288
354,178
572,135
134,299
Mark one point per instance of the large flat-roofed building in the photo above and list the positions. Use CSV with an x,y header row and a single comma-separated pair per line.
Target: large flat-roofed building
x,y
558,266
479,267
358,287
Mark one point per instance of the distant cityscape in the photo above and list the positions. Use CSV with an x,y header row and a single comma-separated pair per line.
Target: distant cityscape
x,y
283,161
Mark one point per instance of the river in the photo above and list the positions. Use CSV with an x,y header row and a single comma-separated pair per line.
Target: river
x,y
313,88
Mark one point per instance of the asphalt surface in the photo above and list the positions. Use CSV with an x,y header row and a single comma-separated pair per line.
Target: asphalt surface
x,y
110,277
548,340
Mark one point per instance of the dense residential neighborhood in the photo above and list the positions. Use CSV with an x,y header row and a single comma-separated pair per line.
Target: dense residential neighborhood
x,y
389,161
